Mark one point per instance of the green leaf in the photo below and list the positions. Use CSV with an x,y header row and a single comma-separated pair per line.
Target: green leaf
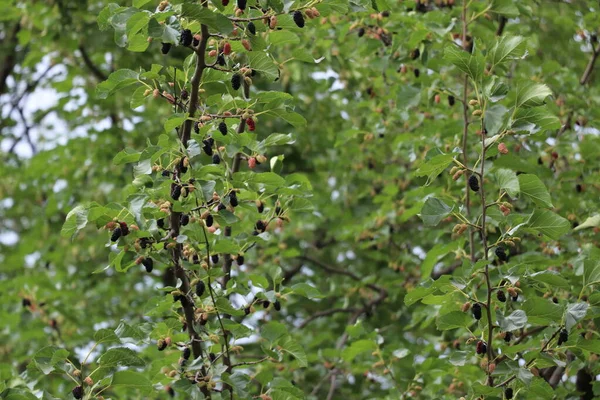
x,y
357,348
76,220
507,180
533,120
591,272
120,356
106,336
433,255
548,223
199,13
292,347
531,94
434,210
507,48
132,380
542,311
495,119
116,81
306,290
552,278
48,358
453,320
516,320
506,8
532,187
575,313
473,64
273,331
434,166
263,64
590,222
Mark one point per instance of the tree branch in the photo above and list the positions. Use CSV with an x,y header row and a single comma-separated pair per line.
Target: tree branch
x,y
90,64
9,58
590,66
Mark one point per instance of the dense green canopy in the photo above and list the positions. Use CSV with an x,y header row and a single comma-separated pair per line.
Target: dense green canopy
x,y
308,199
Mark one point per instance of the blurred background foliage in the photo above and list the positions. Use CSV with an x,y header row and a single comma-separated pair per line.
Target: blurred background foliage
x,y
371,119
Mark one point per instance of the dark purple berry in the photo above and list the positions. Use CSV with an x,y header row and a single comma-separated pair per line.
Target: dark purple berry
x,y
236,81
26,302
184,94
184,219
77,392
214,258
451,100
507,336
209,220
200,287
361,32
175,191
186,37
221,206
221,60
476,310
247,310
233,199
299,19
216,159
251,28
260,225
197,127
474,183
186,353
160,223
161,345
563,336
240,259
266,303
481,347
501,296
241,4
223,128
277,305
212,357
166,173
207,147
415,54
261,207
508,393
148,263
165,48
501,253
116,234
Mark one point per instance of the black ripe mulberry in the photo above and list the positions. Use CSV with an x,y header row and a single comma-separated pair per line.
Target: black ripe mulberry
x,y
578,188
233,200
501,253
161,344
277,305
124,228
200,287
266,303
225,3
77,392
223,128
26,302
197,127
476,311
181,165
216,159
186,37
165,48
474,183
361,32
240,259
148,263
207,147
184,219
241,4
175,191
160,223
214,258
221,60
236,81
260,225
299,19
507,336
415,54
417,72
186,353
221,206
116,234
251,28
451,100
508,393
481,347
209,220
260,207
563,336
501,296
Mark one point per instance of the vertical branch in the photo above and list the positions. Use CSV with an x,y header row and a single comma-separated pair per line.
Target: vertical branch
x,y
235,167
465,137
590,67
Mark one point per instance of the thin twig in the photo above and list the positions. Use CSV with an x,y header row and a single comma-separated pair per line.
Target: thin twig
x,y
590,66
